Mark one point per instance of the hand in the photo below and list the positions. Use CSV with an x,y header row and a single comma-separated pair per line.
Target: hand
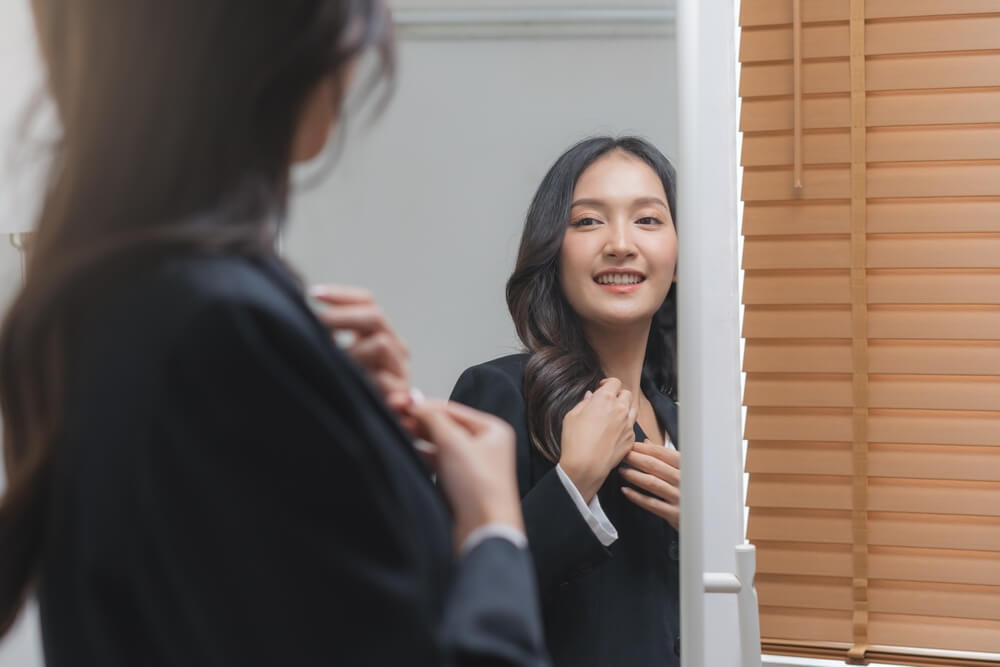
x,y
375,345
657,470
475,465
596,434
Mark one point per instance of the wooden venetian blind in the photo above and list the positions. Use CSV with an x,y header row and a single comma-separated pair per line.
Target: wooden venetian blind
x,y
872,325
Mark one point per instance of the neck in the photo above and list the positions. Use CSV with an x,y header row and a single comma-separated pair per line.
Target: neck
x,y
621,351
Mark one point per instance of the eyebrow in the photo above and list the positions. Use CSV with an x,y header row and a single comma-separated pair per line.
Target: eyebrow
x,y
641,201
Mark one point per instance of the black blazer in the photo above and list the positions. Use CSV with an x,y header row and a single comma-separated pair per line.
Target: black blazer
x,y
602,607
230,490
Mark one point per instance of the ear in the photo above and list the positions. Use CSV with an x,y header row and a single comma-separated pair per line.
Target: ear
x,y
319,113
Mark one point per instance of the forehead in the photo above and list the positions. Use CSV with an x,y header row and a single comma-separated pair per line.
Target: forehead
x,y
618,177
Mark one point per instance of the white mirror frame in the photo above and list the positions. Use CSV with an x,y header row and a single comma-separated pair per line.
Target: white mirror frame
x,y
716,630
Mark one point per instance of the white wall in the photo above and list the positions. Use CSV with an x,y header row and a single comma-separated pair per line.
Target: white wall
x,y
426,207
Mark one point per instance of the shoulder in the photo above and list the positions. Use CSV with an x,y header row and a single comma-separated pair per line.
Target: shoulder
x,y
502,374
198,306
180,292
192,284
495,386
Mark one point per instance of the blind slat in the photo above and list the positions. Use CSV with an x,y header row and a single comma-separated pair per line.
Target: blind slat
x,y
828,593
796,322
885,286
932,427
805,624
930,286
889,109
834,356
830,492
777,12
894,392
948,70
884,145
940,323
932,34
908,461
944,251
935,357
940,566
929,179
960,634
929,599
941,531
922,214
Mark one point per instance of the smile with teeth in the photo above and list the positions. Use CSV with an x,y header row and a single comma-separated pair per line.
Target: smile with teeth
x,y
619,279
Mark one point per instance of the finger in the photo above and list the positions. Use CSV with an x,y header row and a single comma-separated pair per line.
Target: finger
x,y
474,420
364,319
653,466
670,513
653,484
381,350
399,400
669,456
391,384
428,452
609,386
435,421
581,405
633,413
339,295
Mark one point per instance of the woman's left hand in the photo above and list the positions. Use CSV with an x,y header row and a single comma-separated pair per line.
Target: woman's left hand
x,y
657,470
375,346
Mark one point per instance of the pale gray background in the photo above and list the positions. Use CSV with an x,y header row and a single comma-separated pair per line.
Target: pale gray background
x,y
426,206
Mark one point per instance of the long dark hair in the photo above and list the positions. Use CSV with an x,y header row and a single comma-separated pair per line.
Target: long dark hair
x,y
562,366
177,124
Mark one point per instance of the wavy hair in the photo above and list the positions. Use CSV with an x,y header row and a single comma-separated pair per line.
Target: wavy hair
x,y
177,126
561,365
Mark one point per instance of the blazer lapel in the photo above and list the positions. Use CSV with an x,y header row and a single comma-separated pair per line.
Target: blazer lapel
x,y
664,407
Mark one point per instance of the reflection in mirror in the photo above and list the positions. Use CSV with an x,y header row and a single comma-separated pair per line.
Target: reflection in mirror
x,y
592,401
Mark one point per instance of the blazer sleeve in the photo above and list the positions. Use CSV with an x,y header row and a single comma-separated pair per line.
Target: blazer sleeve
x,y
563,546
285,534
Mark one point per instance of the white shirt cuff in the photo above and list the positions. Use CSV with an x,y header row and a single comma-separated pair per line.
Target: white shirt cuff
x,y
593,513
501,530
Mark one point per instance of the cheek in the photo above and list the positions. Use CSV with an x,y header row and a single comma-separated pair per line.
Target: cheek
x,y
574,269
663,255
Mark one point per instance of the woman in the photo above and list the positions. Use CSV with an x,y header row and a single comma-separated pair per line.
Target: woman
x,y
197,475
591,401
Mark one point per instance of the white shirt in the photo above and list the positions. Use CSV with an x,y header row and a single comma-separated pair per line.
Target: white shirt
x,y
592,513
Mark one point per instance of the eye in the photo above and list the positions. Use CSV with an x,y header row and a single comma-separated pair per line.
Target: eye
x,y
649,220
585,222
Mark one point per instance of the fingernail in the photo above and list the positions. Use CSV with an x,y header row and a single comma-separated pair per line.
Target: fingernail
x,y
588,394
317,290
417,396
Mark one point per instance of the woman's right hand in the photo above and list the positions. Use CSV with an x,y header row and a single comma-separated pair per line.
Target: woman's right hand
x,y
475,465
596,435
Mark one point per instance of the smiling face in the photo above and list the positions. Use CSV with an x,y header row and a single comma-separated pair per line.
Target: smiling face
x,y
619,251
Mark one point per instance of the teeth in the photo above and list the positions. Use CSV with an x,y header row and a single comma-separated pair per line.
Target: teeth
x,y
619,279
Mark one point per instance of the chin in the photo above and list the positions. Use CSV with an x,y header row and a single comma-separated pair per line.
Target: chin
x,y
622,318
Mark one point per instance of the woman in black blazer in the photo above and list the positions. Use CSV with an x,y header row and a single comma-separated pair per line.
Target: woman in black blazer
x,y
591,401
197,474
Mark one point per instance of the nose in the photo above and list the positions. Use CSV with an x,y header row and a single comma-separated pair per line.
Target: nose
x,y
620,243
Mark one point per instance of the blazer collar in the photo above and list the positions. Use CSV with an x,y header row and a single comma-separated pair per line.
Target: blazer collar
x,y
663,406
